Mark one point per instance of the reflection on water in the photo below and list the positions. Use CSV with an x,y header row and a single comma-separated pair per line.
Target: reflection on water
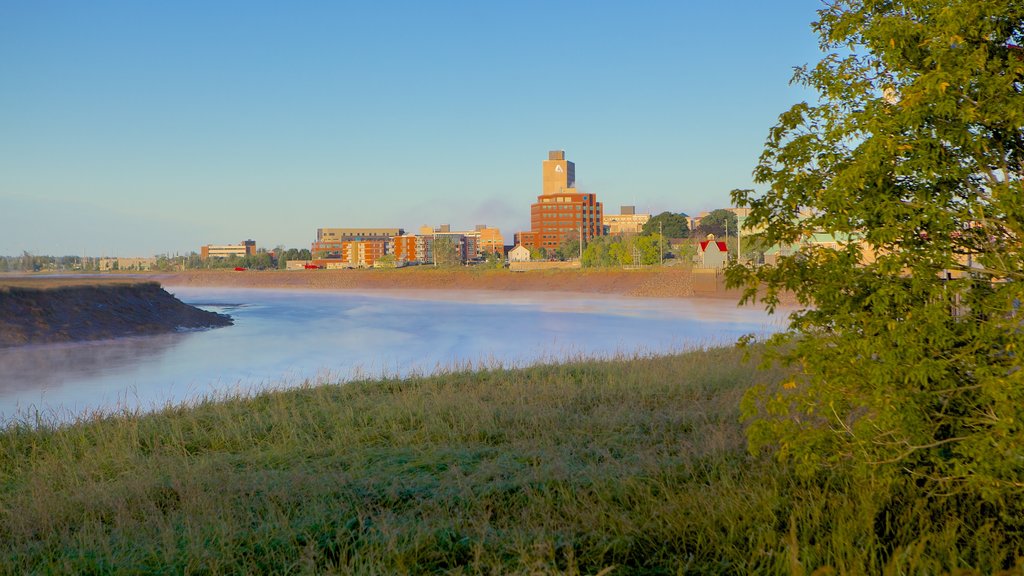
x,y
285,338
52,365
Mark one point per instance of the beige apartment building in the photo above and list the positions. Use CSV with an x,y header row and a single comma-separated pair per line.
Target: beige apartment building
x,y
627,221
351,234
127,263
242,249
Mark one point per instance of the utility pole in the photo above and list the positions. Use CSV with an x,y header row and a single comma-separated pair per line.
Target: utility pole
x,y
661,243
739,241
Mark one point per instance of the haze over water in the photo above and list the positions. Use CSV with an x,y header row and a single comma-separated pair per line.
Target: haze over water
x,y
286,338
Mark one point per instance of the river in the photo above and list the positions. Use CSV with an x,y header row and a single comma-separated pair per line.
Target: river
x,y
284,338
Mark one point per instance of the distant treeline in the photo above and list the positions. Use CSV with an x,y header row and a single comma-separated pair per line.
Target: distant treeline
x,y
262,260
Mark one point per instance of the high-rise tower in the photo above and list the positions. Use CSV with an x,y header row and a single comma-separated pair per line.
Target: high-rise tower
x,y
561,212
559,173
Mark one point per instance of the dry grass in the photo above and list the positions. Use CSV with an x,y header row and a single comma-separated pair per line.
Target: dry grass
x,y
8,281
632,466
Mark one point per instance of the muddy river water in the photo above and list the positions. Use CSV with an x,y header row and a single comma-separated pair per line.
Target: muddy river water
x,y
285,338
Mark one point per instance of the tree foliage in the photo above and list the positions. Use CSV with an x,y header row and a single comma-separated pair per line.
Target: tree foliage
x,y
668,224
569,249
718,222
624,251
446,251
909,336
284,255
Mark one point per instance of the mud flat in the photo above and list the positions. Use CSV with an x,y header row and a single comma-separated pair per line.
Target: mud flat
x,y
39,311
668,282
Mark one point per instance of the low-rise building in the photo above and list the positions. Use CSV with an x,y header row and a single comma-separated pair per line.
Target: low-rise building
x,y
405,248
354,234
470,245
626,222
106,264
352,247
836,241
240,250
519,254
348,253
712,253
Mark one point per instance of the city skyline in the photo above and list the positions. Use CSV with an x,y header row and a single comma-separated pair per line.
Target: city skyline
x,y
136,130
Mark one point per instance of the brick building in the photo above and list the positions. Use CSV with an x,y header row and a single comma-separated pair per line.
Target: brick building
x,y
561,212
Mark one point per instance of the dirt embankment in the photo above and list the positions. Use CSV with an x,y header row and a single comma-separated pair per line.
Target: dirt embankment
x,y
674,282
36,314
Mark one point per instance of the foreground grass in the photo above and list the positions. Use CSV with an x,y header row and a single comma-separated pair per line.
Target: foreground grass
x,y
614,467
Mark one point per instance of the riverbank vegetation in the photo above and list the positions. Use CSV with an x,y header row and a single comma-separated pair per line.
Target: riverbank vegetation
x,y
909,336
616,467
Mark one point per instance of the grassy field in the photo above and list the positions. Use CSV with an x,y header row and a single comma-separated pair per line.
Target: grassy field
x,y
634,466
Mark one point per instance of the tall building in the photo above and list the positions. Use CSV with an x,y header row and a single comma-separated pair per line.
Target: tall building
x,y
559,173
561,212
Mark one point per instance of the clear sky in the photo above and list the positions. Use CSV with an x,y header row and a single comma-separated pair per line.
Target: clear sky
x,y
136,128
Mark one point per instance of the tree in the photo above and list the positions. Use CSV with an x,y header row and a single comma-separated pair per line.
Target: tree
x,y
620,254
909,337
668,225
569,249
494,260
446,251
650,249
718,222
596,252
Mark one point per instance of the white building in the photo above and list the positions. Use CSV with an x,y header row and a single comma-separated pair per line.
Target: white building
x,y
519,254
712,253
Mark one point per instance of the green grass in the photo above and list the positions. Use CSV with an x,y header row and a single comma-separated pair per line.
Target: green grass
x,y
633,466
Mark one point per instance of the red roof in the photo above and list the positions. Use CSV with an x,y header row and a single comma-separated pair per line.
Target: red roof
x,y
721,246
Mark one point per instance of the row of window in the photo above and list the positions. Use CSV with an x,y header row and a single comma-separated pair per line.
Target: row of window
x,y
569,206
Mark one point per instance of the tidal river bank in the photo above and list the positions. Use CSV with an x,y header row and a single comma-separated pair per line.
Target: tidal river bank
x,y
667,282
45,311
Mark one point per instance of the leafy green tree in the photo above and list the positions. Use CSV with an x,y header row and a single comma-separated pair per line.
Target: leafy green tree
x,y
668,225
650,249
718,222
569,249
620,254
596,252
493,260
540,253
446,251
909,337
163,262
192,261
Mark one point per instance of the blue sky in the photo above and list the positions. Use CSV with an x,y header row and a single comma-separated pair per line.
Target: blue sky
x,y
136,128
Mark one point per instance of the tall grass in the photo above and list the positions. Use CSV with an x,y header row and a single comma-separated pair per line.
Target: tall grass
x,y
631,466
